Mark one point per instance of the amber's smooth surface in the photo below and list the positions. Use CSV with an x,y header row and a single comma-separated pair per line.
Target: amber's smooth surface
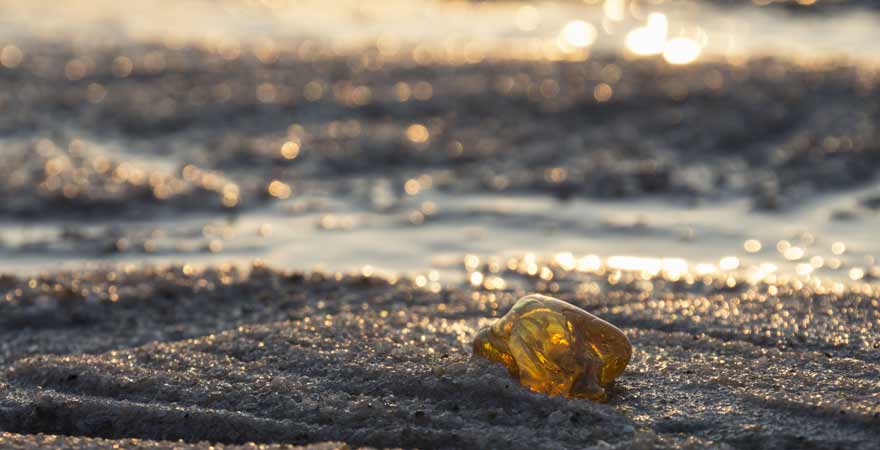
x,y
556,348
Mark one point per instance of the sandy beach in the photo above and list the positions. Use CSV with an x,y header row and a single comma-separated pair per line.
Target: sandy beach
x,y
272,358
279,225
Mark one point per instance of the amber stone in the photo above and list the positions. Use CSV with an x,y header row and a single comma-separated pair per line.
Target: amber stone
x,y
556,348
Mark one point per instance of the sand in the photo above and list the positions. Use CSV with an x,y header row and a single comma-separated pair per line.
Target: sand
x,y
306,358
123,140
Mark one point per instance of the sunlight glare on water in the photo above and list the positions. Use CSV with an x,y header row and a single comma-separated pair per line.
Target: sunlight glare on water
x,y
462,34
681,50
578,33
678,32
650,38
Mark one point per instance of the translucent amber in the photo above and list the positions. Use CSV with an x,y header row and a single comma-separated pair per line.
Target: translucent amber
x,y
556,348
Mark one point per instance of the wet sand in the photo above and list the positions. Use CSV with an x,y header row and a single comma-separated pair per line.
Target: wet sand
x,y
193,133
301,358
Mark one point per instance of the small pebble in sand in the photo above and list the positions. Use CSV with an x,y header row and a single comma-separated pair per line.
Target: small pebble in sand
x,y
556,348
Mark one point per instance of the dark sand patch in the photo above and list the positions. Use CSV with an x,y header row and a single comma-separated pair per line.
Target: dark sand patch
x,y
772,129
41,441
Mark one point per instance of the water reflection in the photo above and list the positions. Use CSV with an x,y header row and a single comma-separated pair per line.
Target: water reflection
x,y
649,39
459,32
415,99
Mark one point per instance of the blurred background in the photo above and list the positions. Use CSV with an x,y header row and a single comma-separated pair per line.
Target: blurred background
x,y
446,141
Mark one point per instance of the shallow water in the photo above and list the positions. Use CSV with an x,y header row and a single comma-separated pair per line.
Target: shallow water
x,y
338,235
433,229
729,29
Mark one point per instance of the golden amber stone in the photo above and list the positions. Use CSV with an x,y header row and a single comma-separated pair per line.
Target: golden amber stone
x,y
556,348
